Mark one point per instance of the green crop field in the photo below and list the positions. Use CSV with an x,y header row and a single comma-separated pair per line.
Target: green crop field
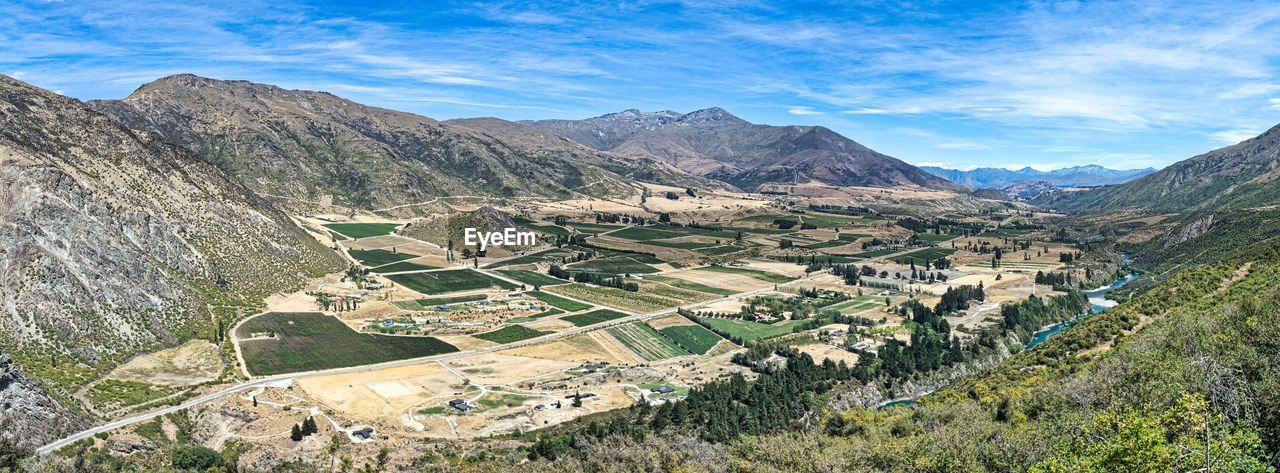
x,y
431,302
649,298
401,267
547,229
594,227
828,220
927,254
438,282
539,315
641,257
694,286
769,218
876,253
643,233
843,239
684,245
311,341
510,333
645,341
362,230
495,399
706,232
857,304
761,275
694,338
593,317
935,238
531,278
720,250
612,265
751,331
554,254
827,244
559,302
378,257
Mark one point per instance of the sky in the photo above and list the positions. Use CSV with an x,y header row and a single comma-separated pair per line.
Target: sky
x,y
954,84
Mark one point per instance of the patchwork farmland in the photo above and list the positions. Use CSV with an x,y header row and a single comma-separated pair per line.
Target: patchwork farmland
x,y
593,317
454,280
645,341
283,342
694,338
363,230
510,333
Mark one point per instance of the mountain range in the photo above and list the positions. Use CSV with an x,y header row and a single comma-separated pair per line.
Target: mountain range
x,y
715,144
309,148
1235,177
1077,176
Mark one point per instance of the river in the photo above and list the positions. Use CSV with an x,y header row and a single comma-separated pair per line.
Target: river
x,y
1098,302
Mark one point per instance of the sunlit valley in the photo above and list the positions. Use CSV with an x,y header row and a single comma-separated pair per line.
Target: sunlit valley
x,y
228,275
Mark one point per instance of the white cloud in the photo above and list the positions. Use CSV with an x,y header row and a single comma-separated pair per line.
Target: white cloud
x,y
1274,101
802,110
1231,137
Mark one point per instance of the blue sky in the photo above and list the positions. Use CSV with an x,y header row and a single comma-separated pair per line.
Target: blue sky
x,y
946,83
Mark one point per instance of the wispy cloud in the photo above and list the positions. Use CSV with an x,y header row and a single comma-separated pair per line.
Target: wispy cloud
x,y
1230,137
802,110
1039,83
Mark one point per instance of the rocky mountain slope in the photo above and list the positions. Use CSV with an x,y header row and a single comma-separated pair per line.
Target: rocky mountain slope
x,y
716,144
314,148
1027,190
447,229
1077,176
115,242
1239,176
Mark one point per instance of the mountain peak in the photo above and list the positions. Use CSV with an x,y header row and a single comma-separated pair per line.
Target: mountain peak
x,y
713,114
714,143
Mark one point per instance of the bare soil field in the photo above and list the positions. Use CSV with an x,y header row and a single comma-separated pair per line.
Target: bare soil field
x,y
585,348
380,242
730,281
731,306
820,351
382,393
669,321
619,353
505,367
466,342
776,267
194,362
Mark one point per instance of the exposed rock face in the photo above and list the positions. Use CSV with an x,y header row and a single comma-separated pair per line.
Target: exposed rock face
x,y
1194,229
27,412
112,242
1027,190
304,146
716,144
